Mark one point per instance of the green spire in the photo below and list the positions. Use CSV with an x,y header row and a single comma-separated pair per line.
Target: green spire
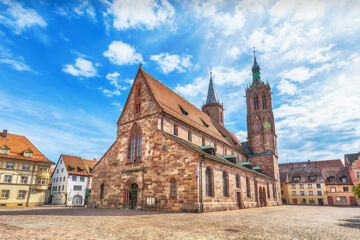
x,y
256,69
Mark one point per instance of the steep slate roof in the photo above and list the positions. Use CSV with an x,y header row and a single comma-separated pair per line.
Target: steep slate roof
x,y
169,101
17,145
336,172
78,162
217,157
304,174
320,164
283,177
352,157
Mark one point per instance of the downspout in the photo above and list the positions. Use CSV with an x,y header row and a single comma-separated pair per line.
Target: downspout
x,y
201,184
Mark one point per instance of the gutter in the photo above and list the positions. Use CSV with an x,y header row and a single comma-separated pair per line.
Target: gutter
x,y
201,184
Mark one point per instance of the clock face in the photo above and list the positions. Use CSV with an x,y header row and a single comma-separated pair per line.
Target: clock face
x,y
267,125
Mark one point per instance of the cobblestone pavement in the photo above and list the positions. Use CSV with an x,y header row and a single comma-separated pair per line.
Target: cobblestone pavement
x,y
285,222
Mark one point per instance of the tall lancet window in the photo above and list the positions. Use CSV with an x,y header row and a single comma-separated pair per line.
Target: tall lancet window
x,y
208,183
135,145
264,104
256,103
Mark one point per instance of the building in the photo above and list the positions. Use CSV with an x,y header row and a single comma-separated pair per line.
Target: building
x,y
325,182
170,155
352,163
338,186
70,180
24,172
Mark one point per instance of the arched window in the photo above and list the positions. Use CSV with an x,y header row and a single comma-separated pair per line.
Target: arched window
x,y
248,191
208,183
256,103
237,181
264,104
173,188
135,145
257,126
274,190
268,190
102,191
225,184
138,98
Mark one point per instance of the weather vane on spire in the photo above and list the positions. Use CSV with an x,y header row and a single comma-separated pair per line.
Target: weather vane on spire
x,y
210,71
254,50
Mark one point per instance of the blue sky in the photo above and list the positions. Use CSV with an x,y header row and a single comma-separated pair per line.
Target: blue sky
x,y
66,67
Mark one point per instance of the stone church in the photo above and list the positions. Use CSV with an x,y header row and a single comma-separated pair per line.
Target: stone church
x,y
170,155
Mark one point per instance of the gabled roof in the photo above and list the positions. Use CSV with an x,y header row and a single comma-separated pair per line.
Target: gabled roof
x,y
352,157
169,101
17,145
78,163
320,164
304,174
336,172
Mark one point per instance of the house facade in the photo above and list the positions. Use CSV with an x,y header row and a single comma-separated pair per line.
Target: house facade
x,y
24,172
70,180
170,155
352,163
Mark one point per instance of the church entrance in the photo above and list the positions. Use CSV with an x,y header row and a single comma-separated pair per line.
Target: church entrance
x,y
238,198
77,200
133,195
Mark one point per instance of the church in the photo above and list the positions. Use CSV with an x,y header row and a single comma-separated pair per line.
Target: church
x,y
170,155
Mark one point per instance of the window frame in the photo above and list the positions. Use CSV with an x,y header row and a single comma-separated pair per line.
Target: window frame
x,y
173,188
225,184
10,164
135,144
22,191
209,183
8,193
5,181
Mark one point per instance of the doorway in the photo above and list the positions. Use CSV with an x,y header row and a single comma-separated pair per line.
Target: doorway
x,y
352,201
330,201
77,200
321,202
133,195
238,196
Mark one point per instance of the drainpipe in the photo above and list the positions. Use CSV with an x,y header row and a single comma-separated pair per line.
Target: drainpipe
x,y
201,184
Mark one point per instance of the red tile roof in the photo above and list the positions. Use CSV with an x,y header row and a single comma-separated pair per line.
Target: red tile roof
x,y
170,103
78,163
17,145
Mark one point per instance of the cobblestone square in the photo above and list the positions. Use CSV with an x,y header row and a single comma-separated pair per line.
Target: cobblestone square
x,y
285,222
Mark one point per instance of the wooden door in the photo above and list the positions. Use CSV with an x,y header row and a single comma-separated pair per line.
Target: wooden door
x,y
330,201
352,201
133,195
238,196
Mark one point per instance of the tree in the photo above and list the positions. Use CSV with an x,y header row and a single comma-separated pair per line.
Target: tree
x,y
356,190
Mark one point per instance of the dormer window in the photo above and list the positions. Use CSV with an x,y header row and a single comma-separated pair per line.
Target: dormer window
x,y
205,124
222,134
4,151
80,169
183,111
331,179
296,178
312,178
343,179
27,154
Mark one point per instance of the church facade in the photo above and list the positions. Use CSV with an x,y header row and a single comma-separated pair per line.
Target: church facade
x,y
170,155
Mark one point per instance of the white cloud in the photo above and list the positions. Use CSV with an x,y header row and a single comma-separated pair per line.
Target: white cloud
x,y
231,76
194,88
81,8
286,87
82,68
139,13
16,64
109,93
234,52
19,18
299,74
169,63
121,53
241,135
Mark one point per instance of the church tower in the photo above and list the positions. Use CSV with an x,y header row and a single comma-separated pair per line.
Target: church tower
x,y
260,124
212,107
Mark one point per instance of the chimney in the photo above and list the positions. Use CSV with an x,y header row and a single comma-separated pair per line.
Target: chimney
x,y
4,133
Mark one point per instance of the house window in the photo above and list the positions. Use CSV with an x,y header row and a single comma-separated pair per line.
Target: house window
x,y
248,191
76,188
318,185
311,193
26,167
62,170
343,179
319,193
332,189
55,188
302,193
303,201
295,201
102,191
311,201
21,194
173,188
225,184
57,171
346,189
208,183
74,178
5,193
7,179
189,136
310,185
64,179
135,145
43,181
264,101
293,186
82,178
63,187
302,186
24,180
237,181
341,199
256,103
10,165
293,193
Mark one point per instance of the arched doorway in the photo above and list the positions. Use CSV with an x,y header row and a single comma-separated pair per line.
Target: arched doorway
x,y
77,200
133,195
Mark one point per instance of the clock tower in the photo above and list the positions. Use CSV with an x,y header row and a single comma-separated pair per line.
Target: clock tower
x,y
260,123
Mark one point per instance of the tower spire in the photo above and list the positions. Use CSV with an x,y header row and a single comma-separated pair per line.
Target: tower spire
x,y
255,69
211,96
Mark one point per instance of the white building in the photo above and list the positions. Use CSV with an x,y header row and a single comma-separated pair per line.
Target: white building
x,y
70,179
